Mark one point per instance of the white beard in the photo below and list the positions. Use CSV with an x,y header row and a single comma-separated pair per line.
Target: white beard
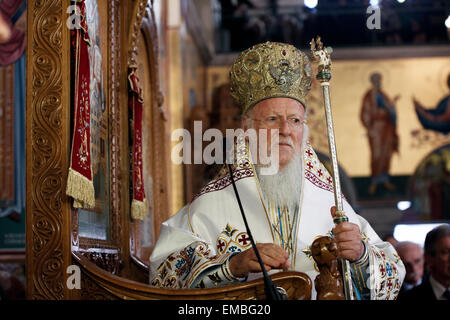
x,y
284,187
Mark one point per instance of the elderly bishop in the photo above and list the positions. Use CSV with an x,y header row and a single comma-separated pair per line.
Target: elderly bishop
x,y
206,244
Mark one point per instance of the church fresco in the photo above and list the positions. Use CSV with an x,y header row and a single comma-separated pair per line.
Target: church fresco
x,y
430,186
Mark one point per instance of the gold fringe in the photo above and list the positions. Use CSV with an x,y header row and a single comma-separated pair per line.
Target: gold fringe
x,y
81,189
139,209
78,204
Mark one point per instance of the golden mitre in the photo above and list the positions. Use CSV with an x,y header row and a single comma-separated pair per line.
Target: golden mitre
x,y
269,70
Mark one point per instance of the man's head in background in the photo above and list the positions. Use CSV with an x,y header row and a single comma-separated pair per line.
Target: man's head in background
x,y
413,259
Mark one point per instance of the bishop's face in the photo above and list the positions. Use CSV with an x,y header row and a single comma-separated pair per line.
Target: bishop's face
x,y
283,114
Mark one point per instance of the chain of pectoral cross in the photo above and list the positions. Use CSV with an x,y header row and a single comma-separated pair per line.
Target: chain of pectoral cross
x,y
286,238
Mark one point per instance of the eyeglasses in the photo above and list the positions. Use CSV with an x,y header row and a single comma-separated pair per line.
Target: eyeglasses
x,y
274,122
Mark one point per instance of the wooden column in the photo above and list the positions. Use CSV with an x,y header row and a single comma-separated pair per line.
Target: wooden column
x,y
48,215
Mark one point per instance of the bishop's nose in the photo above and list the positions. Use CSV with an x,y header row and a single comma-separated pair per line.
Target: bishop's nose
x,y
284,129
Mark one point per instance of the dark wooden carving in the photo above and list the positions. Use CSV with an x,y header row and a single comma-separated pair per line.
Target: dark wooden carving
x,y
110,262
7,192
103,285
90,290
118,234
139,9
47,135
328,283
52,225
143,19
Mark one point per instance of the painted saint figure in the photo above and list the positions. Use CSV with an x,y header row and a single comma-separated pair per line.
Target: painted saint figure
x,y
437,119
379,117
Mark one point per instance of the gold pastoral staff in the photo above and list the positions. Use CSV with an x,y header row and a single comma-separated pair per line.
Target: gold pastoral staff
x,y
322,56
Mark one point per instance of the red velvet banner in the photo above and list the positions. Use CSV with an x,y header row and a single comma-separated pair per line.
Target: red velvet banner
x,y
139,204
79,182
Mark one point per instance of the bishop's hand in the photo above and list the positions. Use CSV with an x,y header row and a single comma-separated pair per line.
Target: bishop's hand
x,y
272,256
348,239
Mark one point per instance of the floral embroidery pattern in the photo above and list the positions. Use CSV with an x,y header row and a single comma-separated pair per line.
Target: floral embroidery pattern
x,y
174,271
231,240
389,285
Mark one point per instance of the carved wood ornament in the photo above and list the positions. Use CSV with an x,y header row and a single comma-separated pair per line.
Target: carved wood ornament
x,y
52,225
144,20
47,136
328,283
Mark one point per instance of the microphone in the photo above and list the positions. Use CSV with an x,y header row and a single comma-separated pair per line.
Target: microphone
x,y
272,292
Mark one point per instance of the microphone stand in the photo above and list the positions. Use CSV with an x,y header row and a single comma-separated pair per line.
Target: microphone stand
x,y
270,289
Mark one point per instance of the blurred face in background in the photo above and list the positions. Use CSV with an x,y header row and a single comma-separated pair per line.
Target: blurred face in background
x,y
413,259
439,263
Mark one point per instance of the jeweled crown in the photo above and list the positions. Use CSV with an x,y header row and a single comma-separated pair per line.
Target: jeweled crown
x,y
269,70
